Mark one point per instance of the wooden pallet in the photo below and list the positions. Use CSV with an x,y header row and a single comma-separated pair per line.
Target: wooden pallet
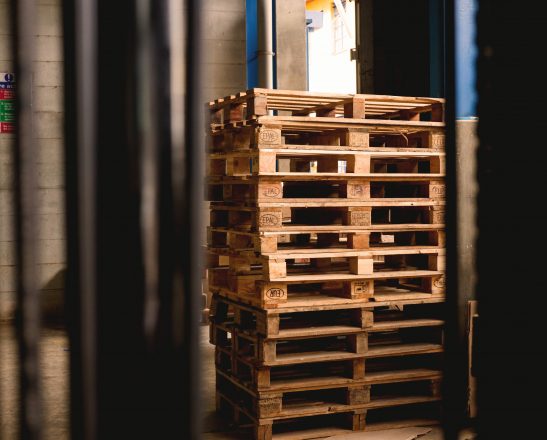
x,y
302,423
330,215
267,243
289,188
328,343
285,266
418,362
327,133
322,319
255,102
418,338
324,160
251,289
309,400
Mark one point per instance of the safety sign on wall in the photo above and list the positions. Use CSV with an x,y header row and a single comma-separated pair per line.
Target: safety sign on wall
x,y
7,103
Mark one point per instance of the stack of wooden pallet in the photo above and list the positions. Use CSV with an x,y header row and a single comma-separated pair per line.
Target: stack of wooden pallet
x,y
326,260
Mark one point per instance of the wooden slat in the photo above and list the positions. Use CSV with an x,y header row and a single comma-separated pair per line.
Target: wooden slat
x,y
403,350
384,377
313,356
408,323
321,277
314,331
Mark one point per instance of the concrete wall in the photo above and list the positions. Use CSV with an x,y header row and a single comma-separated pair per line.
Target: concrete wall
x,y
224,48
48,131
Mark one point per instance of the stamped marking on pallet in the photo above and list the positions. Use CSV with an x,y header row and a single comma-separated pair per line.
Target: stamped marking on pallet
x,y
437,141
439,282
360,218
269,136
438,190
270,219
357,190
271,191
276,293
361,287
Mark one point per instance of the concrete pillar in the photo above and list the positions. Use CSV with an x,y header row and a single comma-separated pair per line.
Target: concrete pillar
x,y
466,142
291,44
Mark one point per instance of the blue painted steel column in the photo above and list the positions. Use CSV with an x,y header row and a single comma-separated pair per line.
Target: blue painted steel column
x,y
466,54
251,37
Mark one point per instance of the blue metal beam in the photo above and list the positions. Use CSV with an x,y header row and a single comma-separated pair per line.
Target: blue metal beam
x,y
251,31
466,54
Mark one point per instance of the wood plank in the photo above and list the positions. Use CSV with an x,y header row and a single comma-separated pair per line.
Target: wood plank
x,y
404,423
311,383
343,202
313,356
333,123
304,150
344,252
347,276
403,350
346,229
382,298
401,376
314,331
303,176
299,410
408,323
323,302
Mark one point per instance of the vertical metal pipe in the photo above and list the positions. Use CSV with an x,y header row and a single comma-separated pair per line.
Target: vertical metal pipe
x,y
80,31
265,44
28,297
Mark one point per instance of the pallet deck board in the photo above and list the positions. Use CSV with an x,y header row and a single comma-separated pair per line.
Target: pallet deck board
x,y
409,323
403,349
317,330
318,277
304,176
313,356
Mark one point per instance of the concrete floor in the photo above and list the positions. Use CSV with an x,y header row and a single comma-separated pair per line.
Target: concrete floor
x,y
55,383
